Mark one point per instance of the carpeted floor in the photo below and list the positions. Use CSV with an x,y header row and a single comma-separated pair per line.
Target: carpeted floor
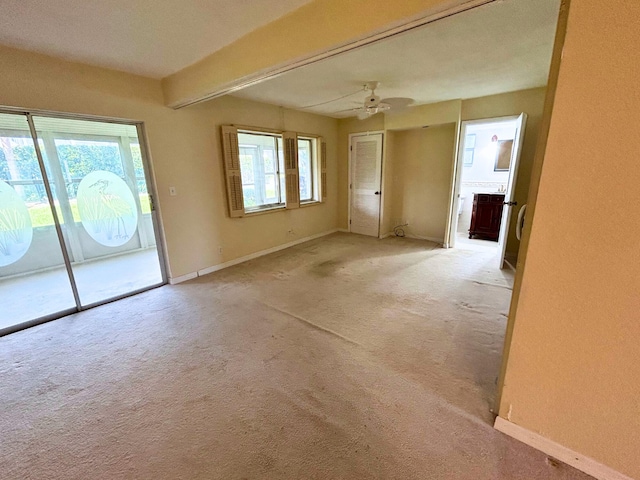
x,y
342,358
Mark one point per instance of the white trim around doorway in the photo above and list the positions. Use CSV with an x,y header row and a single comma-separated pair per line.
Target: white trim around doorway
x,y
450,237
365,134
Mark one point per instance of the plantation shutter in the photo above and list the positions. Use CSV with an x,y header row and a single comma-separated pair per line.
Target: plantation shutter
x,y
323,169
231,158
292,181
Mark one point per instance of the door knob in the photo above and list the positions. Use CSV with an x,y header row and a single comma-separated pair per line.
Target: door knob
x,y
511,204
377,193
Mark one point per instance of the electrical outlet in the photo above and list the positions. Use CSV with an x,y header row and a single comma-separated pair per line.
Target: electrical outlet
x,y
219,249
290,232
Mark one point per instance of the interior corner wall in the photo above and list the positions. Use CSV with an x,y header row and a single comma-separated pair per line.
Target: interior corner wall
x,y
243,236
422,162
531,102
574,361
185,153
389,187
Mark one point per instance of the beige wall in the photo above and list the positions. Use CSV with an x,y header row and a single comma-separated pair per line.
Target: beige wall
x,y
531,102
185,153
422,163
242,236
424,115
574,363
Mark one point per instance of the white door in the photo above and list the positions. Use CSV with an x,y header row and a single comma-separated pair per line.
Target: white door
x,y
366,177
509,198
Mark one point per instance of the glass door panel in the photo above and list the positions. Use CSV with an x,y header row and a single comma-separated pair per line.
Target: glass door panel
x,y
34,282
101,189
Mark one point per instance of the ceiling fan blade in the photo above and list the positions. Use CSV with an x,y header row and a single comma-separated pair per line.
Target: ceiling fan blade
x,y
349,110
398,104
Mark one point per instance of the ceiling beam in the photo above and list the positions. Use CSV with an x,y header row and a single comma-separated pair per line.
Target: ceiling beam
x,y
317,30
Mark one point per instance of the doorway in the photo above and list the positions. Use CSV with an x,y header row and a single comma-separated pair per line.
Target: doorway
x,y
365,180
77,222
486,170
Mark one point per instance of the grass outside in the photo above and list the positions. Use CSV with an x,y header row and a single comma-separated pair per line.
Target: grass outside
x,y
41,213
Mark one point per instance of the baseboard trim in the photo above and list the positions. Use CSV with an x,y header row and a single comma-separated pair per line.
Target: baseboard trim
x,y
509,264
262,253
577,460
343,230
414,237
246,258
183,278
430,239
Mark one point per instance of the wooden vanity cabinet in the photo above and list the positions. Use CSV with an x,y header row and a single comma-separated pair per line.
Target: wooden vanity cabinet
x,y
486,215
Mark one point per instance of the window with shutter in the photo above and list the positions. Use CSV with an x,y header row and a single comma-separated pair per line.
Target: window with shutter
x,y
271,170
307,169
323,170
232,171
291,169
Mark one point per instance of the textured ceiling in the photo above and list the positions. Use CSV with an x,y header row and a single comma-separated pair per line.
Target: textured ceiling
x,y
148,37
500,47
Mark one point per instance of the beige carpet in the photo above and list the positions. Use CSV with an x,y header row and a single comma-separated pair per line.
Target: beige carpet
x,y
342,358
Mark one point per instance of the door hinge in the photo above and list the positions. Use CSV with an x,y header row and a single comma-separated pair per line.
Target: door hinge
x,y
349,222
151,204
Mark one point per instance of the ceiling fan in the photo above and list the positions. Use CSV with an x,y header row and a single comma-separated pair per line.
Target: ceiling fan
x,y
372,103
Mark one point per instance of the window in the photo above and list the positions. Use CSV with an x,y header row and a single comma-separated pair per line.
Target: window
x,y
261,167
469,148
272,170
306,168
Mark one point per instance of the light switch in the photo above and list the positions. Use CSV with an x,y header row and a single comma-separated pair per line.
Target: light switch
x,y
172,191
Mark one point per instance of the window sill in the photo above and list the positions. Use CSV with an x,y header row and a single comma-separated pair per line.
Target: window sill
x,y
310,203
251,213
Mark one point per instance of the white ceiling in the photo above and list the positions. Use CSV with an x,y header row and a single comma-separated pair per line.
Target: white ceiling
x,y
500,47
148,37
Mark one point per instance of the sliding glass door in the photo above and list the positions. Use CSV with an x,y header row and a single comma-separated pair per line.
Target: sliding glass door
x,y
34,282
102,243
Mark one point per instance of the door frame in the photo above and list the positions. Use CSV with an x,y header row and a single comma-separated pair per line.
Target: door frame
x,y
161,247
365,134
450,240
505,221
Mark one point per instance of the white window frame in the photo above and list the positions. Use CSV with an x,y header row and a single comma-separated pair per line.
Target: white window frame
x,y
289,199
314,170
258,166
